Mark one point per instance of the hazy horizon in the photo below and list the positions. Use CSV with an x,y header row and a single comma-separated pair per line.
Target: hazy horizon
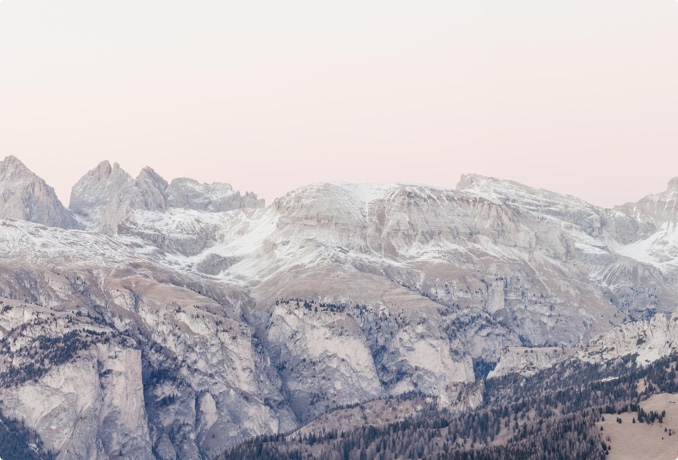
x,y
578,98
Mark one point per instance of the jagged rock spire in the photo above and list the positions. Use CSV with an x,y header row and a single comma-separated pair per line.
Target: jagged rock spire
x,y
106,196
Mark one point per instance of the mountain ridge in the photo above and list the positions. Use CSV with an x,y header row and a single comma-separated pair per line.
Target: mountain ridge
x,y
251,320
154,193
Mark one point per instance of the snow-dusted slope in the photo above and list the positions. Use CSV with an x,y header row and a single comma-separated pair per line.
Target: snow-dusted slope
x,y
456,248
543,203
631,245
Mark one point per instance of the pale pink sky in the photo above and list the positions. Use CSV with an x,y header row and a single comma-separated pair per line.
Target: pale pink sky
x,y
578,96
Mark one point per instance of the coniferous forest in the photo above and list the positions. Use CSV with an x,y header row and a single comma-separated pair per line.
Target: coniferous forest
x,y
18,442
549,416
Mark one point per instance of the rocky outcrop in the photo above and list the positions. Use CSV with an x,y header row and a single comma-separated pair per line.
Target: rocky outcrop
x,y
24,196
528,361
649,340
190,194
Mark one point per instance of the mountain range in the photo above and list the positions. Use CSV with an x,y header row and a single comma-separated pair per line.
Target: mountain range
x,y
175,320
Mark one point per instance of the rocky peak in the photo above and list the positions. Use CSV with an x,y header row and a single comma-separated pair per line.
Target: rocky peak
x,y
658,209
96,186
104,169
25,196
670,194
149,191
470,181
11,165
101,197
106,196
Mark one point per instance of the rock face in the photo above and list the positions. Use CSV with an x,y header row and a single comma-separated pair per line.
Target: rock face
x,y
321,365
107,195
150,191
72,387
650,340
647,340
194,328
528,361
101,198
24,196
